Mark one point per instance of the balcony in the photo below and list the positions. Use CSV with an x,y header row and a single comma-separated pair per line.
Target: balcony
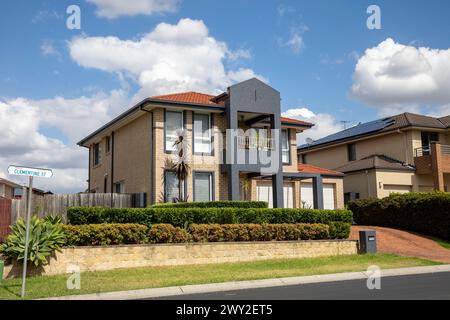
x,y
433,160
255,143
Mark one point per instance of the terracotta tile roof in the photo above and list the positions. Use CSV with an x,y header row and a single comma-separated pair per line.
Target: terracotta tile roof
x,y
207,99
188,97
295,121
307,168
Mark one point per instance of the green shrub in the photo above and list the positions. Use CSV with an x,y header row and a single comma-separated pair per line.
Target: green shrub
x,y
166,233
44,239
105,234
214,204
183,217
339,230
258,232
425,213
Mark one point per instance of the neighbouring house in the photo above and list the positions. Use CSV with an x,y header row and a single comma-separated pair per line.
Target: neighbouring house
x,y
9,189
132,153
399,154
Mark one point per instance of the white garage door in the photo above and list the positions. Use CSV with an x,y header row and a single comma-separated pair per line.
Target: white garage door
x,y
389,188
264,193
307,196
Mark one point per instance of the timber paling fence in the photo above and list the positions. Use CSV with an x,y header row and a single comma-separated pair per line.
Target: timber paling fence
x,y
57,204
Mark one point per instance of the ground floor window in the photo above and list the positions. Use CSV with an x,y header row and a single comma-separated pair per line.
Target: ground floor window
x,y
203,186
172,187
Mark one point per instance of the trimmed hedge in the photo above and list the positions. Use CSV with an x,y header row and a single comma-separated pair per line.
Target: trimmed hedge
x,y
183,217
214,204
105,234
425,213
258,232
166,233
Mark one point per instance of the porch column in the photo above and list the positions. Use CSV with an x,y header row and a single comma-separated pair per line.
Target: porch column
x,y
436,165
233,184
277,190
317,192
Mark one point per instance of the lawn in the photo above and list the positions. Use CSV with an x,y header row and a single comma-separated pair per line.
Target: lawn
x,y
153,277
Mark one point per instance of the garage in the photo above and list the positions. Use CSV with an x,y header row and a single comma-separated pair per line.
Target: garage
x,y
264,193
390,188
307,196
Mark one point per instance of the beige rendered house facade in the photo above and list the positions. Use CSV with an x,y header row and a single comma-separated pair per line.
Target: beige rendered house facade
x,y
133,153
399,154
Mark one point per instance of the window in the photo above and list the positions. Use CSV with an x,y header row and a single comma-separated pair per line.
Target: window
x,y
203,187
173,124
108,144
285,146
119,187
351,151
304,159
202,133
171,187
427,139
96,154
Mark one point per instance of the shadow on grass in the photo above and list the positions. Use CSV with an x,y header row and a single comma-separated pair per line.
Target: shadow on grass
x,y
9,289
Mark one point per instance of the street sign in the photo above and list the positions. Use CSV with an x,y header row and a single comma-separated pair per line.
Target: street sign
x,y
30,172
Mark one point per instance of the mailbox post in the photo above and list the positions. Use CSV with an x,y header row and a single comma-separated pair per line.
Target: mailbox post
x,y
368,241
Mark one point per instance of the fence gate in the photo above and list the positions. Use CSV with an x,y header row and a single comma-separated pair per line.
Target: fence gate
x,y
5,217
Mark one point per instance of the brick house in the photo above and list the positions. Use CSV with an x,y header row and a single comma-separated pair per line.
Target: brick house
x,y
132,153
399,154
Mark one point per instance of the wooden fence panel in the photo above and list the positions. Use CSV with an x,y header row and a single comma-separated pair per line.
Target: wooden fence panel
x,y
57,204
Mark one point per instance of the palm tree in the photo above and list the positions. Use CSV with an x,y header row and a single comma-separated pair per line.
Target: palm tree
x,y
180,164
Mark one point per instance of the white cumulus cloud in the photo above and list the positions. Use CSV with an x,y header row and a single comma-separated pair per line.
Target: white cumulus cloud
x,y
115,8
324,123
25,138
171,58
397,78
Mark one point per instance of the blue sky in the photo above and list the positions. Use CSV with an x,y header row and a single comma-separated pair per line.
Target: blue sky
x,y
308,50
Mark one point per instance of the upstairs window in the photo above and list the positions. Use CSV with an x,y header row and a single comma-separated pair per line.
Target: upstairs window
x,y
202,133
173,124
285,147
108,144
427,139
304,159
351,152
96,154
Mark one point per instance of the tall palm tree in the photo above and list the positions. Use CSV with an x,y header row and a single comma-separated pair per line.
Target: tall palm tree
x,y
180,164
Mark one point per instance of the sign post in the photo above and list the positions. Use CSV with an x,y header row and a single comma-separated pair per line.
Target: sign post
x,y
31,173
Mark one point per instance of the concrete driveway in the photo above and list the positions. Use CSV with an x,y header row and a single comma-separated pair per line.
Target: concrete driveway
x,y
405,244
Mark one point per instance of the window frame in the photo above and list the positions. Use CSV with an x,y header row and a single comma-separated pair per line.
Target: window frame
x,y
184,186
351,152
183,115
288,137
96,154
120,184
108,144
211,131
212,184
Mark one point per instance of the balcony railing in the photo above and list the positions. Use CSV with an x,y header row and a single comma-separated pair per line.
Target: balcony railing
x,y
426,151
423,151
258,143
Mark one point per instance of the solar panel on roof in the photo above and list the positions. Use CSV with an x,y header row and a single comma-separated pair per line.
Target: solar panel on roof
x,y
358,130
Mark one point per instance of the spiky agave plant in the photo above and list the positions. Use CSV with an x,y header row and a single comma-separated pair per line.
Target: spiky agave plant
x,y
180,163
45,238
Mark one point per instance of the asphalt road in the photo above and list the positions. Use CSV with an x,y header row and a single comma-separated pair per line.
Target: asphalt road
x,y
425,286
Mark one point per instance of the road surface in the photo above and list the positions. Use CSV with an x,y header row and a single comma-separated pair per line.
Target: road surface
x,y
425,286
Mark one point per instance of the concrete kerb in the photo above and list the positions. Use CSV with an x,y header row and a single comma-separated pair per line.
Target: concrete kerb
x,y
252,284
